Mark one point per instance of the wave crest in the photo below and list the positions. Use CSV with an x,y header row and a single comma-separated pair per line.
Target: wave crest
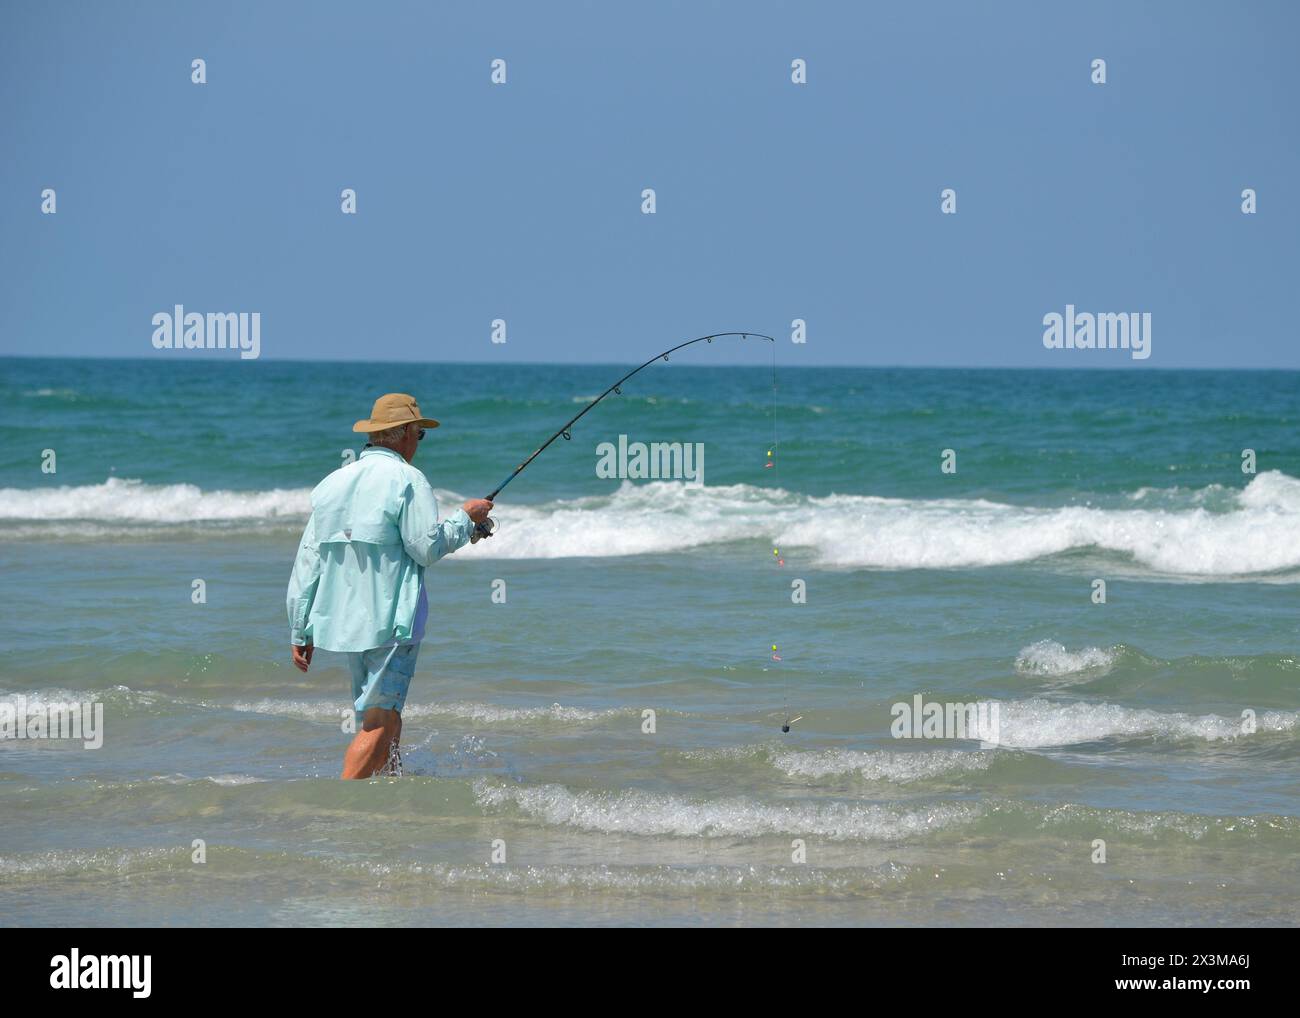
x,y
1256,532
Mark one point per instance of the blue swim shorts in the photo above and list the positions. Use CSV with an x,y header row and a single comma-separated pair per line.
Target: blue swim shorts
x,y
381,677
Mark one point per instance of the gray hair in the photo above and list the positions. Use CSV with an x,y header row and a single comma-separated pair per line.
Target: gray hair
x,y
390,438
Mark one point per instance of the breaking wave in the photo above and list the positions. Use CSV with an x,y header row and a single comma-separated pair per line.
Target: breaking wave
x,y
1255,533
663,814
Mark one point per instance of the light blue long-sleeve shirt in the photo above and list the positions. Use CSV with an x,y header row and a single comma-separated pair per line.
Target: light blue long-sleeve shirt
x,y
358,579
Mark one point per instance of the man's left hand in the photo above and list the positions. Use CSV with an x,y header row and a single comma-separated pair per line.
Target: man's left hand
x,y
301,656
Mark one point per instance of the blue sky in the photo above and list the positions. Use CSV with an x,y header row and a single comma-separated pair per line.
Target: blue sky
x,y
775,201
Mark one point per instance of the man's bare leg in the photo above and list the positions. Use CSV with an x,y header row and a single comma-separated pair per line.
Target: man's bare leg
x,y
368,753
395,752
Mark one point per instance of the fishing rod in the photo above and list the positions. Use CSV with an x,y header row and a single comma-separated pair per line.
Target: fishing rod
x,y
486,528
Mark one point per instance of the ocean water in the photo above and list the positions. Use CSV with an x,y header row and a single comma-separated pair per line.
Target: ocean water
x,y
1120,723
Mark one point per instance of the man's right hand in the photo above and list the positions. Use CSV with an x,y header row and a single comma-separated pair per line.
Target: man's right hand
x,y
477,509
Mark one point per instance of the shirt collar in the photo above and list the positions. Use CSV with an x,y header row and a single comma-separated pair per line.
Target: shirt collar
x,y
375,449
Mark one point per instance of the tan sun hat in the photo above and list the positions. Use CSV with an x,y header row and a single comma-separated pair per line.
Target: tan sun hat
x,y
391,411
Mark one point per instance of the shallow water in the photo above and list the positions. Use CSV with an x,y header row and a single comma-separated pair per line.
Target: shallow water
x,y
1119,722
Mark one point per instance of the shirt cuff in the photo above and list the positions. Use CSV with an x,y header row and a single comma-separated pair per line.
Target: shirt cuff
x,y
463,523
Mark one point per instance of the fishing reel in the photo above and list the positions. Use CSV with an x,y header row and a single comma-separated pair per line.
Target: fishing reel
x,y
482,530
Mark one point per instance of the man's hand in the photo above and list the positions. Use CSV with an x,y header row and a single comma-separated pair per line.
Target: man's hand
x,y
301,656
477,509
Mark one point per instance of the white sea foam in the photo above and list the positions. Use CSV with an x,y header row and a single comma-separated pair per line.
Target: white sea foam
x,y
639,880
490,713
314,709
122,500
82,863
1049,658
226,780
880,765
478,713
642,879
1258,531
870,765
1029,724
1260,535
652,813
44,699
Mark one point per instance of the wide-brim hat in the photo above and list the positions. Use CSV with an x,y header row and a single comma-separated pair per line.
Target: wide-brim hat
x,y
392,410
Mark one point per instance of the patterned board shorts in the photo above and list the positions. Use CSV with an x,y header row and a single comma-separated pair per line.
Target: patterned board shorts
x,y
381,677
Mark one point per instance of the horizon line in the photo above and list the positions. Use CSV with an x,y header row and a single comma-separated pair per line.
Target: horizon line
x,y
206,357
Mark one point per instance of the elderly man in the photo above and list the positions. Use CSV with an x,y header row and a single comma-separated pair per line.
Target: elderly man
x,y
357,585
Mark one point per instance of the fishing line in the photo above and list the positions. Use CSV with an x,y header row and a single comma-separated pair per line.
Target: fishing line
x,y
485,529
786,720
488,526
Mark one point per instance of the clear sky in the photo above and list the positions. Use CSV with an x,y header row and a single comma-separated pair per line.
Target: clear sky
x,y
775,201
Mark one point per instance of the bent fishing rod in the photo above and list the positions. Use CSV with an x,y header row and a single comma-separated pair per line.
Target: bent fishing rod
x,y
486,528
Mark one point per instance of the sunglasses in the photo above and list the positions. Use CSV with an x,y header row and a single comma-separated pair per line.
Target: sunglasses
x,y
420,436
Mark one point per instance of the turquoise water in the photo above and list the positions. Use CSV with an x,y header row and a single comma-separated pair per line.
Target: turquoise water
x,y
1120,722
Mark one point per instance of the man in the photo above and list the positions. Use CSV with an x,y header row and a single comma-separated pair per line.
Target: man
x,y
357,585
